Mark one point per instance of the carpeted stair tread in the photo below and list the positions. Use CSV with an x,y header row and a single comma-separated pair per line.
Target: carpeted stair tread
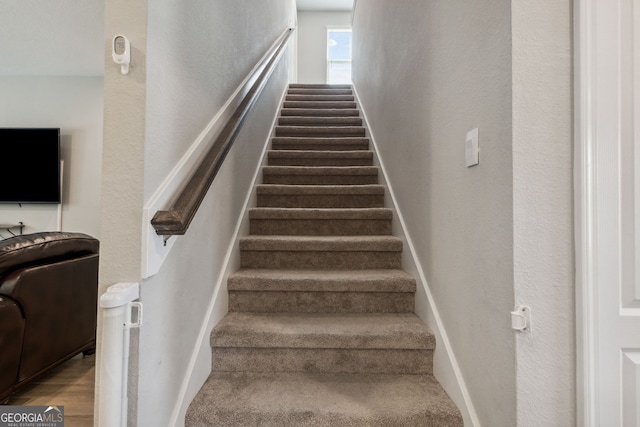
x,y
320,175
314,291
321,252
318,86
320,189
319,121
320,154
322,400
320,196
322,144
320,131
320,170
321,327
319,104
321,302
320,112
321,243
323,330
319,97
325,360
273,280
314,221
320,158
327,214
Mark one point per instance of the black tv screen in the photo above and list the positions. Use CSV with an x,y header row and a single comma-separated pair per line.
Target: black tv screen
x,y
30,165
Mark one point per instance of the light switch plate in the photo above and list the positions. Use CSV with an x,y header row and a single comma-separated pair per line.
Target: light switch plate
x,y
471,149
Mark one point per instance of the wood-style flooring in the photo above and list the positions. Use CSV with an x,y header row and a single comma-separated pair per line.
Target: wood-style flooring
x,y
70,385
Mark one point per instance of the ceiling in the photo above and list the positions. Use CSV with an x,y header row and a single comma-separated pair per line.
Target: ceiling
x,y
325,5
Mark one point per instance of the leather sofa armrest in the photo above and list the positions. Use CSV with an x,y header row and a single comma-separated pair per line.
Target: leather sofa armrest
x,y
12,326
59,303
41,248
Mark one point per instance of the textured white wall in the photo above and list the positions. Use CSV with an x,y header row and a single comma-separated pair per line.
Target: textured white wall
x,y
123,146
51,38
179,295
440,70
74,104
312,43
123,166
543,210
51,67
197,56
187,60
499,233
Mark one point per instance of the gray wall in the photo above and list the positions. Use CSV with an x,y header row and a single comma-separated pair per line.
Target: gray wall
x,y
54,38
122,168
442,69
191,59
543,210
312,43
499,233
74,104
197,56
51,77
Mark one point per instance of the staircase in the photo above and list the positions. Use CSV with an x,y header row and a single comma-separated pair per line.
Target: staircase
x,y
321,329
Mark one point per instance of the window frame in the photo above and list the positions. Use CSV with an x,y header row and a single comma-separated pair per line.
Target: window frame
x,y
336,28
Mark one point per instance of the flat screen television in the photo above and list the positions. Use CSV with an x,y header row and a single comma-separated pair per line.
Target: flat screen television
x,y
30,165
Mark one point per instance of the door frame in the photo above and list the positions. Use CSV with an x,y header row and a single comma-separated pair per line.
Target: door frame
x,y
584,215
597,194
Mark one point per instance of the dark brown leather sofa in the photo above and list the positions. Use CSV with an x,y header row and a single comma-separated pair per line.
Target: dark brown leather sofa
x,y
48,304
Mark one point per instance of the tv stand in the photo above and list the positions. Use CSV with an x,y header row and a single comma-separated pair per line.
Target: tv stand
x,y
8,227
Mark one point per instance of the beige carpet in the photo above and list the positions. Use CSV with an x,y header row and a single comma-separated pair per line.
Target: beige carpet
x,y
321,329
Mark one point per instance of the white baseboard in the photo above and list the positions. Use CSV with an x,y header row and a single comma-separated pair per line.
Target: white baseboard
x,y
446,368
200,363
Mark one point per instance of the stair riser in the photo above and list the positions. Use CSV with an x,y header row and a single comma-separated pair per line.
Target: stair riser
x,y
319,259
320,92
320,227
320,201
320,161
320,131
319,121
318,86
320,112
321,302
357,361
302,417
374,281
320,179
320,97
319,145
322,104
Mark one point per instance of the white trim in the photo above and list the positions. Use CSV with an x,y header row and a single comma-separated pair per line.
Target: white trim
x,y
327,61
449,374
585,213
205,330
353,11
154,248
293,45
59,221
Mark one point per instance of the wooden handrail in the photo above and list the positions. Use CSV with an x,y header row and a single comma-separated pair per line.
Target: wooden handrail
x,y
176,220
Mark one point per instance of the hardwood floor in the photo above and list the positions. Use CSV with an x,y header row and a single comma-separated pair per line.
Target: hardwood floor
x,y
70,385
